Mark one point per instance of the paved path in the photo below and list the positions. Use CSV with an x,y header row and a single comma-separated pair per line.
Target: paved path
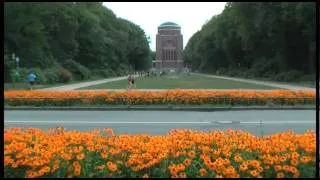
x,y
84,84
92,83
160,122
273,84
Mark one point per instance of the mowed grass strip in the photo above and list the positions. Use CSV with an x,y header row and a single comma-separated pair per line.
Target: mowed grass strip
x,y
183,82
24,86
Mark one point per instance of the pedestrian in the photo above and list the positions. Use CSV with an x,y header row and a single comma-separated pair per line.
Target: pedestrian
x,y
129,82
133,81
31,78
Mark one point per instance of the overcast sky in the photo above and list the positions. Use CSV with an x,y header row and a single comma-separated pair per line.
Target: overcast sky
x,y
149,15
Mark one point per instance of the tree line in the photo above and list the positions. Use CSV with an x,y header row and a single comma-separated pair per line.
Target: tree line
x,y
272,40
61,41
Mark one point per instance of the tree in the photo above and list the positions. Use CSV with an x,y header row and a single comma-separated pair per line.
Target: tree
x,y
259,38
46,35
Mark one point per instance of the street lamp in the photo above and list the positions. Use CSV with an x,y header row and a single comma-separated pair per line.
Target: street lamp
x,y
17,72
15,75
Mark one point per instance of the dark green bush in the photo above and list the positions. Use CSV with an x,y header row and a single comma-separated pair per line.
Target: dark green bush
x,y
64,75
52,75
291,76
78,71
308,78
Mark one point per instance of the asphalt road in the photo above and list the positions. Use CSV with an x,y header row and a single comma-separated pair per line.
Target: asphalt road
x,y
258,122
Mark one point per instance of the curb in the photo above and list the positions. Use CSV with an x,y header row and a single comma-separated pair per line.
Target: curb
x,y
169,108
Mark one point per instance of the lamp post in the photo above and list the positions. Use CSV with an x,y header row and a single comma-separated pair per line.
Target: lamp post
x,y
17,71
15,75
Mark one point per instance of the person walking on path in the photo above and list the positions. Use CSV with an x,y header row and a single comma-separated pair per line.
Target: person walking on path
x,y
133,81
31,79
129,82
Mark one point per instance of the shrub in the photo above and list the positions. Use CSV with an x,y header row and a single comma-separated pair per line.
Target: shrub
x,y
7,72
308,78
105,73
24,72
52,75
290,76
64,75
264,68
78,71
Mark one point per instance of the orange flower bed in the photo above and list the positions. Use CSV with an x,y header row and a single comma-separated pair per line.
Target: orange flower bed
x,y
177,96
181,153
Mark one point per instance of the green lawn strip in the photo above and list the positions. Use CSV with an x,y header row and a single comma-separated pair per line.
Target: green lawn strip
x,y
304,83
183,82
25,85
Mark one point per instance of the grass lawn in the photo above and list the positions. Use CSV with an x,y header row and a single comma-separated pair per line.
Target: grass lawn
x,y
304,84
183,82
309,84
25,85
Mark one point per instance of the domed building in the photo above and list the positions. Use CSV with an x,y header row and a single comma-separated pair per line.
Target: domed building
x,y
169,47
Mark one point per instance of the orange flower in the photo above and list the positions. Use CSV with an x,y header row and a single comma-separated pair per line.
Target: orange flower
x,y
278,168
183,175
80,156
219,176
254,173
191,154
294,162
77,171
202,172
237,158
38,149
187,162
280,175
304,159
104,155
255,163
181,167
112,167
243,167
260,169
100,167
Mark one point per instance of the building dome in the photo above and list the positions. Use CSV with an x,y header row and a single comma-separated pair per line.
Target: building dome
x,y
169,24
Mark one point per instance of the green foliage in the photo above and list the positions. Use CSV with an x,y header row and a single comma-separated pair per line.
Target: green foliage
x,y
46,34
6,72
309,77
52,75
64,76
290,76
80,72
262,39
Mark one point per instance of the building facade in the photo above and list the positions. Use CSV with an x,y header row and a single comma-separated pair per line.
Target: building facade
x,y
169,48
